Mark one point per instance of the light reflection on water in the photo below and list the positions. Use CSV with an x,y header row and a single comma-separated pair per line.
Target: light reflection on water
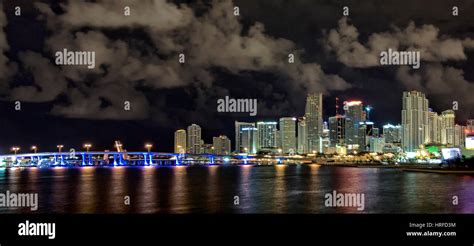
x,y
214,189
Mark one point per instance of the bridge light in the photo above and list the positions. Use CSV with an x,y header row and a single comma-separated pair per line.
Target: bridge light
x,y
148,146
34,148
87,146
60,146
15,149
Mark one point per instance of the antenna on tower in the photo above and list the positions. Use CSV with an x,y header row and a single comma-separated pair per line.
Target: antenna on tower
x,y
337,106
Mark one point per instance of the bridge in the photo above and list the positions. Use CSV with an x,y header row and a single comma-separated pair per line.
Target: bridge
x,y
111,158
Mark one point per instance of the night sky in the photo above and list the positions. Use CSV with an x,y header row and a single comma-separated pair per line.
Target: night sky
x,y
238,56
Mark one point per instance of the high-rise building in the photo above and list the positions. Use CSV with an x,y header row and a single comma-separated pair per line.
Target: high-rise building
x,y
180,141
278,139
266,134
238,129
354,113
302,136
365,133
392,134
194,139
221,145
314,120
414,120
336,130
447,127
435,122
459,136
377,144
248,140
288,134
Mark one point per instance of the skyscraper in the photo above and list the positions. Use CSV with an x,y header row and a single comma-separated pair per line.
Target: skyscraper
x,y
302,136
248,140
414,120
354,113
314,120
459,136
266,134
180,141
435,122
447,127
221,145
365,134
288,134
336,130
238,129
392,134
194,139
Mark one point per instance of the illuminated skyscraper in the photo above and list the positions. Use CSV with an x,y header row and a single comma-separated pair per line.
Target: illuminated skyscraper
x,y
314,120
288,134
194,139
302,136
238,129
354,113
180,141
266,135
447,127
459,136
221,145
366,132
414,120
248,140
336,130
435,122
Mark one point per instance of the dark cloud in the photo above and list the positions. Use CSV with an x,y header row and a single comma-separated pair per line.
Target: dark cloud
x,y
215,39
344,42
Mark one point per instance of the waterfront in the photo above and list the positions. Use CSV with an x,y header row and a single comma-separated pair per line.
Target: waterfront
x,y
212,189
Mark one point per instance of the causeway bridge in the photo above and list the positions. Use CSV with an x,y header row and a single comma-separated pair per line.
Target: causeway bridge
x,y
113,158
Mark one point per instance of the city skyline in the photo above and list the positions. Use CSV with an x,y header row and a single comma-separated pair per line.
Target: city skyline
x,y
352,110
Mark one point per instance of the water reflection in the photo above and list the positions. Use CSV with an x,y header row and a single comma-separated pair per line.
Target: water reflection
x,y
213,189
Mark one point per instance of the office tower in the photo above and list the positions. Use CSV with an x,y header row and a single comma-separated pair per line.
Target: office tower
x,y
221,145
266,134
194,139
325,137
365,133
314,120
459,136
180,141
377,144
302,136
288,134
238,129
447,127
435,122
392,134
248,140
354,113
336,130
278,139
414,120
